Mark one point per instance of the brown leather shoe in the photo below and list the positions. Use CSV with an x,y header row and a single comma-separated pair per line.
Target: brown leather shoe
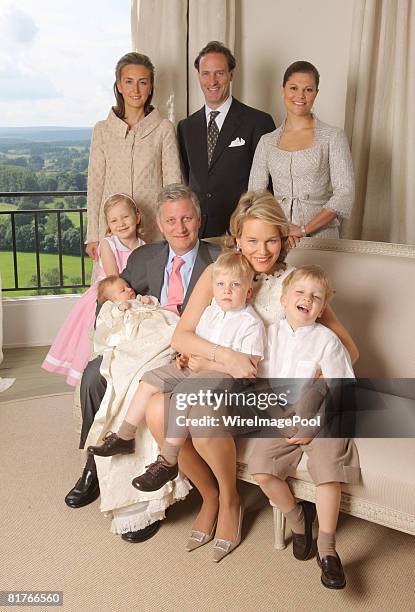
x,y
303,543
113,445
332,573
156,475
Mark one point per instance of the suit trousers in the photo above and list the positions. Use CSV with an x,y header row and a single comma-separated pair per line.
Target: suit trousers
x,y
93,386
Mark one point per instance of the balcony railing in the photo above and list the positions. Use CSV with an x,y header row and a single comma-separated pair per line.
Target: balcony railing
x,y
37,246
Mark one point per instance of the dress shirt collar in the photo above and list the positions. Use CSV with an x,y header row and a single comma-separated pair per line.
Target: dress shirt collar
x,y
230,314
189,257
223,111
303,330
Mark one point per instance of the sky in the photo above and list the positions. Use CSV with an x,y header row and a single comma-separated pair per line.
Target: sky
x,y
57,60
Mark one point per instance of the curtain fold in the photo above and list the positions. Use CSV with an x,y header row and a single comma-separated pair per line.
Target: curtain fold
x,y
379,121
208,20
159,29
171,33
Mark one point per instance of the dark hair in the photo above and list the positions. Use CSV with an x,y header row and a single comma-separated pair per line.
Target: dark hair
x,y
138,59
301,66
214,46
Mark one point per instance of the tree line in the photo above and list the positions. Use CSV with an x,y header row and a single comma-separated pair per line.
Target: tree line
x,y
19,178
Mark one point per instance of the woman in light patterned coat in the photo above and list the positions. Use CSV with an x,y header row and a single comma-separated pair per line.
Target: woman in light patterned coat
x,y
309,162
133,151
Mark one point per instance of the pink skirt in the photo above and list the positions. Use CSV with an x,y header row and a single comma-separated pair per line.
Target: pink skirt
x,y
72,347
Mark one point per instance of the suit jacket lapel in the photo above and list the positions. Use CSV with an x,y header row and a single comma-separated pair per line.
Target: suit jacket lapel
x,y
202,261
199,142
155,271
232,121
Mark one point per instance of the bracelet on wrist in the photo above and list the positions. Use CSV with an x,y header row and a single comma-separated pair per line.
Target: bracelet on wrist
x,y
303,232
213,353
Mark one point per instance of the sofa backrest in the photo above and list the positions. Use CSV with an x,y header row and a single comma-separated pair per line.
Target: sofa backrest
x,y
375,299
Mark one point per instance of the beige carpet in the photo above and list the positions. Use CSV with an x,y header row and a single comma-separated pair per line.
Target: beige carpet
x,y
47,546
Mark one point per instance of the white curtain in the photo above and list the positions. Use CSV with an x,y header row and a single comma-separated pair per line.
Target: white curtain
x,y
208,20
380,121
159,29
171,33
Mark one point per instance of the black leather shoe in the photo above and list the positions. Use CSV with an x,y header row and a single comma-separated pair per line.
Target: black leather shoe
x,y
141,535
85,491
332,573
112,445
156,475
303,543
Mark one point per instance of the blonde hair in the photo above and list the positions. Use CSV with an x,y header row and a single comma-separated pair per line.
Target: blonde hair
x,y
263,206
121,198
103,287
234,263
316,273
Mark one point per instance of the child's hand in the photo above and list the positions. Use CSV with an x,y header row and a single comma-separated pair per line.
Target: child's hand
x,y
298,440
146,299
181,361
124,306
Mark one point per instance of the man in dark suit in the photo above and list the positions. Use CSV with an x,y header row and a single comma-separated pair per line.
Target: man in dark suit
x,y
148,272
218,142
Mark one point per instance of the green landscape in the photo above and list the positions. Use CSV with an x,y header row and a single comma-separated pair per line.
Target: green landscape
x,y
49,267
43,159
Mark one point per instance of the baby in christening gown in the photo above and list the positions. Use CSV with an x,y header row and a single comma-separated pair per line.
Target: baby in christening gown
x,y
121,310
133,335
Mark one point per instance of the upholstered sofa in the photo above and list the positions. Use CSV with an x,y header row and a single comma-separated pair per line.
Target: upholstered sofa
x,y
375,294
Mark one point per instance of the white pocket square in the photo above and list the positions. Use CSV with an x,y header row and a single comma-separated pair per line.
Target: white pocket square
x,y
238,142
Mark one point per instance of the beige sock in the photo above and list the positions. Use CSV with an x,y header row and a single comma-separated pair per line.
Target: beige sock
x,y
295,519
170,452
127,431
326,544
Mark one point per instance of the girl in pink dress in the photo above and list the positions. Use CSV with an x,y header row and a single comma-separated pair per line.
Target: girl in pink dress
x,y
71,349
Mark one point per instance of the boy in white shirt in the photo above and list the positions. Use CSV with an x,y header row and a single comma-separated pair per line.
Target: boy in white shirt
x,y
229,322
302,348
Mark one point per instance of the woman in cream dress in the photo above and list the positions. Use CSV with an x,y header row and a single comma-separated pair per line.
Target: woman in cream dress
x,y
309,162
134,151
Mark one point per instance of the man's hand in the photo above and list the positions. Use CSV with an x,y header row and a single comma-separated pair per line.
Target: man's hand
x,y
91,250
298,440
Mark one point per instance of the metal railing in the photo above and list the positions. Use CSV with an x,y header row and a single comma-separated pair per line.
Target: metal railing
x,y
35,213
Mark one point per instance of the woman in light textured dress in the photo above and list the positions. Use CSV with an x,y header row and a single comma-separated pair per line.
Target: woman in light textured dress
x,y
133,151
309,162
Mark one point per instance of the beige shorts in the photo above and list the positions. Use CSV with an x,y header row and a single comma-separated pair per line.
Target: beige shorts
x,y
172,382
329,459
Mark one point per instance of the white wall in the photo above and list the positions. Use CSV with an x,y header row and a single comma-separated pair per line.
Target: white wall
x,y
271,34
34,321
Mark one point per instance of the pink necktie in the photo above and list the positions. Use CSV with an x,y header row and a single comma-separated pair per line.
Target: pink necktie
x,y
175,291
